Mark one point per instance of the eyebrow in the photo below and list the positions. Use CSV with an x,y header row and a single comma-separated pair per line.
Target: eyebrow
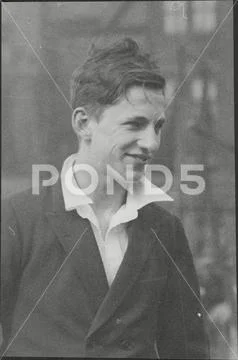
x,y
143,119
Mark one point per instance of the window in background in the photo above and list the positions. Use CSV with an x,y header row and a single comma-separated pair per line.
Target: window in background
x,y
170,89
175,18
204,15
212,90
197,86
212,93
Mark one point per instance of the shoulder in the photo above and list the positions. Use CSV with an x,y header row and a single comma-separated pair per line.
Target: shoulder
x,y
24,219
27,206
155,214
24,203
167,226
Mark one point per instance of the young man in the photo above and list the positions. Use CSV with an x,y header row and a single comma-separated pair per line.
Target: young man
x,y
103,273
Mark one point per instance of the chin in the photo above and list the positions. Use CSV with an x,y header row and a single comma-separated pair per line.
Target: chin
x,y
135,176
131,176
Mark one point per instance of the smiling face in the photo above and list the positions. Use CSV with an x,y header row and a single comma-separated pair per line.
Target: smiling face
x,y
128,133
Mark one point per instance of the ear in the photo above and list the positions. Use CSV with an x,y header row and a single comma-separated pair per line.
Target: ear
x,y
81,123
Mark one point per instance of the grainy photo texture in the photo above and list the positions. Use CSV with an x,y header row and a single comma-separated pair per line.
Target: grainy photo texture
x,y
118,185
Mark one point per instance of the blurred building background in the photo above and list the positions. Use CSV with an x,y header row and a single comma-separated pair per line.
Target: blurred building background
x,y
43,42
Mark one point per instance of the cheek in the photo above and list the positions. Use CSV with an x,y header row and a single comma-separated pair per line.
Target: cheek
x,y
123,140
115,142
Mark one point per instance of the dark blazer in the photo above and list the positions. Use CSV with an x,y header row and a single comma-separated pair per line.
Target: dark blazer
x,y
55,296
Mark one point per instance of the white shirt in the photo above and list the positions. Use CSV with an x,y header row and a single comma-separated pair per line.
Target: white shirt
x,y
112,248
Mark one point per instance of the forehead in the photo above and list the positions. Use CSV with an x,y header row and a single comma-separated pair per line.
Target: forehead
x,y
138,101
140,96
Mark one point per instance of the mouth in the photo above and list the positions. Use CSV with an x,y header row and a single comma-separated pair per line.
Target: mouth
x,y
139,158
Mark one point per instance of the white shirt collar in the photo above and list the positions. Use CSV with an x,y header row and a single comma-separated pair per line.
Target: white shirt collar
x,y
144,193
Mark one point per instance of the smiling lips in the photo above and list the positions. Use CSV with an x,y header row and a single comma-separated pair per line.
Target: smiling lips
x,y
139,157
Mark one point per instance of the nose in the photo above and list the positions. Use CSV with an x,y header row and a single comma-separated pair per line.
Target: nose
x,y
149,141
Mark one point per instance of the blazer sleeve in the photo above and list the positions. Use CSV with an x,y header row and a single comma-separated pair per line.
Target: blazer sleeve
x,y
182,334
11,250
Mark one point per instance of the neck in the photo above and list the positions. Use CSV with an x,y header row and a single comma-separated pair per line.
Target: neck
x,y
102,201
108,203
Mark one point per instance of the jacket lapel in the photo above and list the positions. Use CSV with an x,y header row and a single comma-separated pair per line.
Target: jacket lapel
x,y
78,241
139,246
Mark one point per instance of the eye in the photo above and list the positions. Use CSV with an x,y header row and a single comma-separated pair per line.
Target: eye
x,y
135,125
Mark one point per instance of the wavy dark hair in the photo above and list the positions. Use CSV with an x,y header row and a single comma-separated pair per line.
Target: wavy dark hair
x,y
108,73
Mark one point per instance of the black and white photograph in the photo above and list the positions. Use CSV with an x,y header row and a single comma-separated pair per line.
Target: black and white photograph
x,y
118,208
